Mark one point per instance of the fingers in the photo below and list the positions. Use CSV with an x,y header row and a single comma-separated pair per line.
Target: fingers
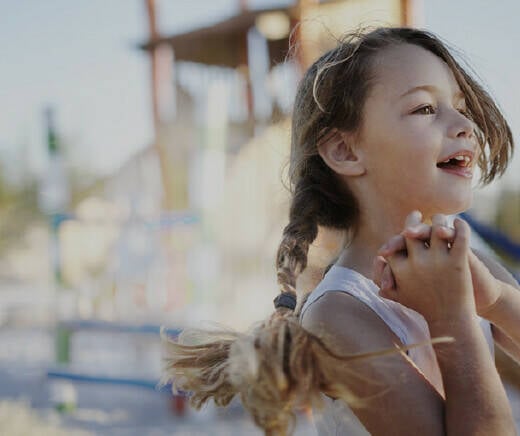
x,y
416,236
424,231
414,218
445,233
398,242
436,242
394,245
415,245
460,244
420,231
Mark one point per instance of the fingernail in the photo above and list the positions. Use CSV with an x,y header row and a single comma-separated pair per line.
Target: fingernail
x,y
417,213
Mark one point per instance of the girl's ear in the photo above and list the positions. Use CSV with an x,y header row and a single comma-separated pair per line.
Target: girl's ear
x,y
338,150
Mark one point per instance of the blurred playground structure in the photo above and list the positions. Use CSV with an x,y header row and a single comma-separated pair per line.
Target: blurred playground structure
x,y
186,230
190,224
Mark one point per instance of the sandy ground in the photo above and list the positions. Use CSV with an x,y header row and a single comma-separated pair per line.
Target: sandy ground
x,y
25,398
117,410
26,406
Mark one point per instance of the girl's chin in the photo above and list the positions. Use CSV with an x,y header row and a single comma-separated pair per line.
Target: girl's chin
x,y
454,206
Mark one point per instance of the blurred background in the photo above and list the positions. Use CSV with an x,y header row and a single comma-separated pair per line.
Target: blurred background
x,y
143,147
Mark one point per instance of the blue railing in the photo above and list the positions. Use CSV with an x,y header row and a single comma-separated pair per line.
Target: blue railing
x,y
496,238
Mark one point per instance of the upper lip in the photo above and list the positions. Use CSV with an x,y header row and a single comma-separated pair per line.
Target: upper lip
x,y
466,156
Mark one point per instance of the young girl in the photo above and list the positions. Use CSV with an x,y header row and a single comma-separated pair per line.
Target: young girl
x,y
385,125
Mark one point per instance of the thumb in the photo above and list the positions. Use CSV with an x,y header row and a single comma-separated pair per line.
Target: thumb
x,y
479,271
387,278
388,288
378,267
462,235
389,294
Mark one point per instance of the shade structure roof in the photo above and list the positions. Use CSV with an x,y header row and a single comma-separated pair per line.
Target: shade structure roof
x,y
223,43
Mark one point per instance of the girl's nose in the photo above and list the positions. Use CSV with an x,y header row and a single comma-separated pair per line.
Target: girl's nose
x,y
461,127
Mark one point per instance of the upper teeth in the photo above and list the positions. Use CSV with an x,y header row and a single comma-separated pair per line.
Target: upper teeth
x,y
461,158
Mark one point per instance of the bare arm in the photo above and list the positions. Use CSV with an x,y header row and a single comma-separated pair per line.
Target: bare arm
x,y
400,400
504,314
476,402
435,280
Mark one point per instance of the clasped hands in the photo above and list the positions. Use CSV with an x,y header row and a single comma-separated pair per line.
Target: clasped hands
x,y
435,261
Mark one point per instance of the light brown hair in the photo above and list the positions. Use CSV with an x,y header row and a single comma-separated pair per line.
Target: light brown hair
x,y
278,365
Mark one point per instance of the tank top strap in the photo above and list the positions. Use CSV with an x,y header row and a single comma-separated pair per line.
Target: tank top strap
x,y
346,280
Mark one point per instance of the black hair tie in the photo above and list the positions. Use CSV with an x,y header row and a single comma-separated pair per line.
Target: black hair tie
x,y
285,299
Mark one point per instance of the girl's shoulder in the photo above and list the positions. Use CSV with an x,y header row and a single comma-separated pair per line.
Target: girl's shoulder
x,y
346,312
346,305
346,324
342,279
360,295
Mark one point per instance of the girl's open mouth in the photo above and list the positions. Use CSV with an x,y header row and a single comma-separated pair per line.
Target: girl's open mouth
x,y
458,164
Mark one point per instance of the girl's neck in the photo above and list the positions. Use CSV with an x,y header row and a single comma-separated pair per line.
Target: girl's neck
x,y
372,233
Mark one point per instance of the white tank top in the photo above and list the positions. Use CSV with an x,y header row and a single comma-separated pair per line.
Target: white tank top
x,y
336,418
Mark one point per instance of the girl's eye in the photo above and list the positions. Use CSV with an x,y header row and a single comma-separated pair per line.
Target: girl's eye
x,y
425,110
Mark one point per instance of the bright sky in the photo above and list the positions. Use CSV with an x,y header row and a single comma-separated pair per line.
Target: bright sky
x,y
80,56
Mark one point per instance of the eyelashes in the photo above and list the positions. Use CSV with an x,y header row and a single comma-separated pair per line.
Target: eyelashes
x,y
465,113
425,110
429,109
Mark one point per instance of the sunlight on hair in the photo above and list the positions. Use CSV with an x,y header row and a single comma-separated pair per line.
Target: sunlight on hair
x,y
322,69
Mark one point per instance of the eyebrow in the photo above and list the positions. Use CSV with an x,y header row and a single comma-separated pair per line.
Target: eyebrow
x,y
431,89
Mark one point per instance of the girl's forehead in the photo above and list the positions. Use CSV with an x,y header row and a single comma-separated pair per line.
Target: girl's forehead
x,y
400,68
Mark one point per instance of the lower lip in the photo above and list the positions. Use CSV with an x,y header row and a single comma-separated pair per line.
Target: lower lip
x,y
461,172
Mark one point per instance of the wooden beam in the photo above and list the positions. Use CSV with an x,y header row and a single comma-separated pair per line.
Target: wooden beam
x,y
167,200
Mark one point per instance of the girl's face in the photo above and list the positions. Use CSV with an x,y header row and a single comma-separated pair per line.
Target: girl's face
x,y
418,148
